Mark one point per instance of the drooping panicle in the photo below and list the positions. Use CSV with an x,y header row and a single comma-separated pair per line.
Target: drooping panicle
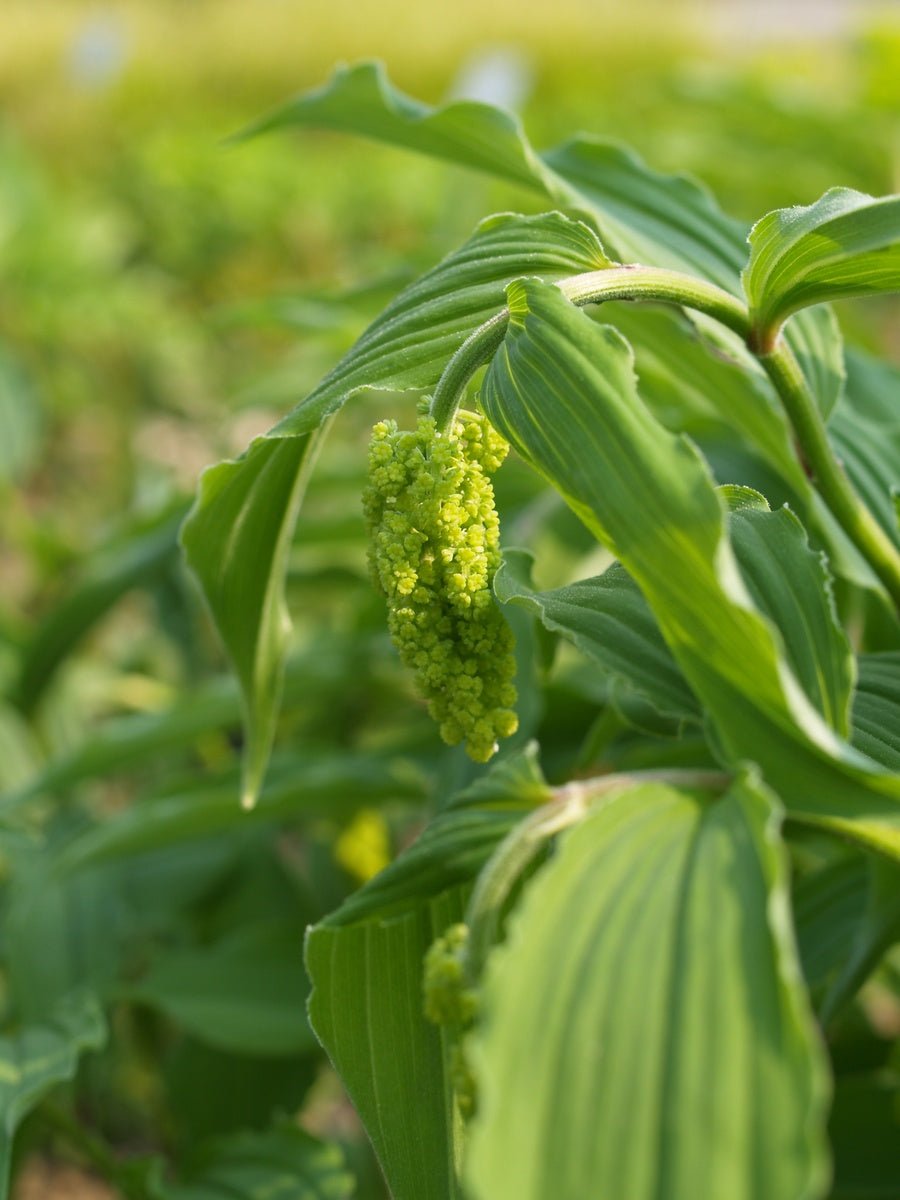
x,y
434,549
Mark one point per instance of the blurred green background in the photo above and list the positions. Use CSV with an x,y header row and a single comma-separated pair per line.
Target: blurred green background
x,y
164,297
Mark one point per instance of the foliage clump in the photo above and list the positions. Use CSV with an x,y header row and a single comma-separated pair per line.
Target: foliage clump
x,y
434,550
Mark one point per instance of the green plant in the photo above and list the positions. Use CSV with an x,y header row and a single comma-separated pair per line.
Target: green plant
x,y
649,950
642,1026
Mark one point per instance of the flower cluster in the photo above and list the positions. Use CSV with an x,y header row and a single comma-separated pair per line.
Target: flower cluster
x,y
434,549
448,998
451,1002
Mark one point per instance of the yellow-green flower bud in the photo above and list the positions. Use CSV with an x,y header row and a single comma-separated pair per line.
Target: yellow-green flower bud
x,y
434,550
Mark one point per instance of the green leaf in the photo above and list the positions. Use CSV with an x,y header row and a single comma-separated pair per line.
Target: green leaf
x,y
608,619
408,346
236,539
828,905
845,244
562,390
246,993
876,708
313,785
865,1133
692,388
700,1073
133,559
38,1057
790,583
366,1008
360,99
640,214
865,431
283,1163
20,420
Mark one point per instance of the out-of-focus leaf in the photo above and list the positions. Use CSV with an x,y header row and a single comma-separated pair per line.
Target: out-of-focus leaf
x,y
37,1057
319,785
608,619
876,708
845,244
237,538
20,421
865,1132
828,905
366,1008
245,993
700,1073
284,1163
561,388
131,561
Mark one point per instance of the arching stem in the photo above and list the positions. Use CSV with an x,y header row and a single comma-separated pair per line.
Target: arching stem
x,y
657,284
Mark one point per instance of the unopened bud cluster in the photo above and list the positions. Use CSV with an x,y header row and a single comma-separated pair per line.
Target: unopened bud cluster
x,y
434,550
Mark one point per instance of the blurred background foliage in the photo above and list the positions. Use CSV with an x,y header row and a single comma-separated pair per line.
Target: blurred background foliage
x,y
164,297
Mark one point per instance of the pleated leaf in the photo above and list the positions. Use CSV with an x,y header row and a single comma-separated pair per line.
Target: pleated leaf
x,y
608,619
845,244
366,1009
865,431
640,214
561,388
790,583
876,708
645,1032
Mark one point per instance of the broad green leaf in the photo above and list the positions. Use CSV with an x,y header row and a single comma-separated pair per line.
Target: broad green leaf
x,y
640,214
562,390
878,930
691,388
608,619
828,905
845,244
789,582
407,347
132,560
38,1057
865,431
366,1009
237,538
283,1163
699,1073
451,850
876,708
313,785
245,993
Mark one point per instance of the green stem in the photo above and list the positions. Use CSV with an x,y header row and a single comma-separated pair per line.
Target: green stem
x,y
593,287
654,283
829,476
522,845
